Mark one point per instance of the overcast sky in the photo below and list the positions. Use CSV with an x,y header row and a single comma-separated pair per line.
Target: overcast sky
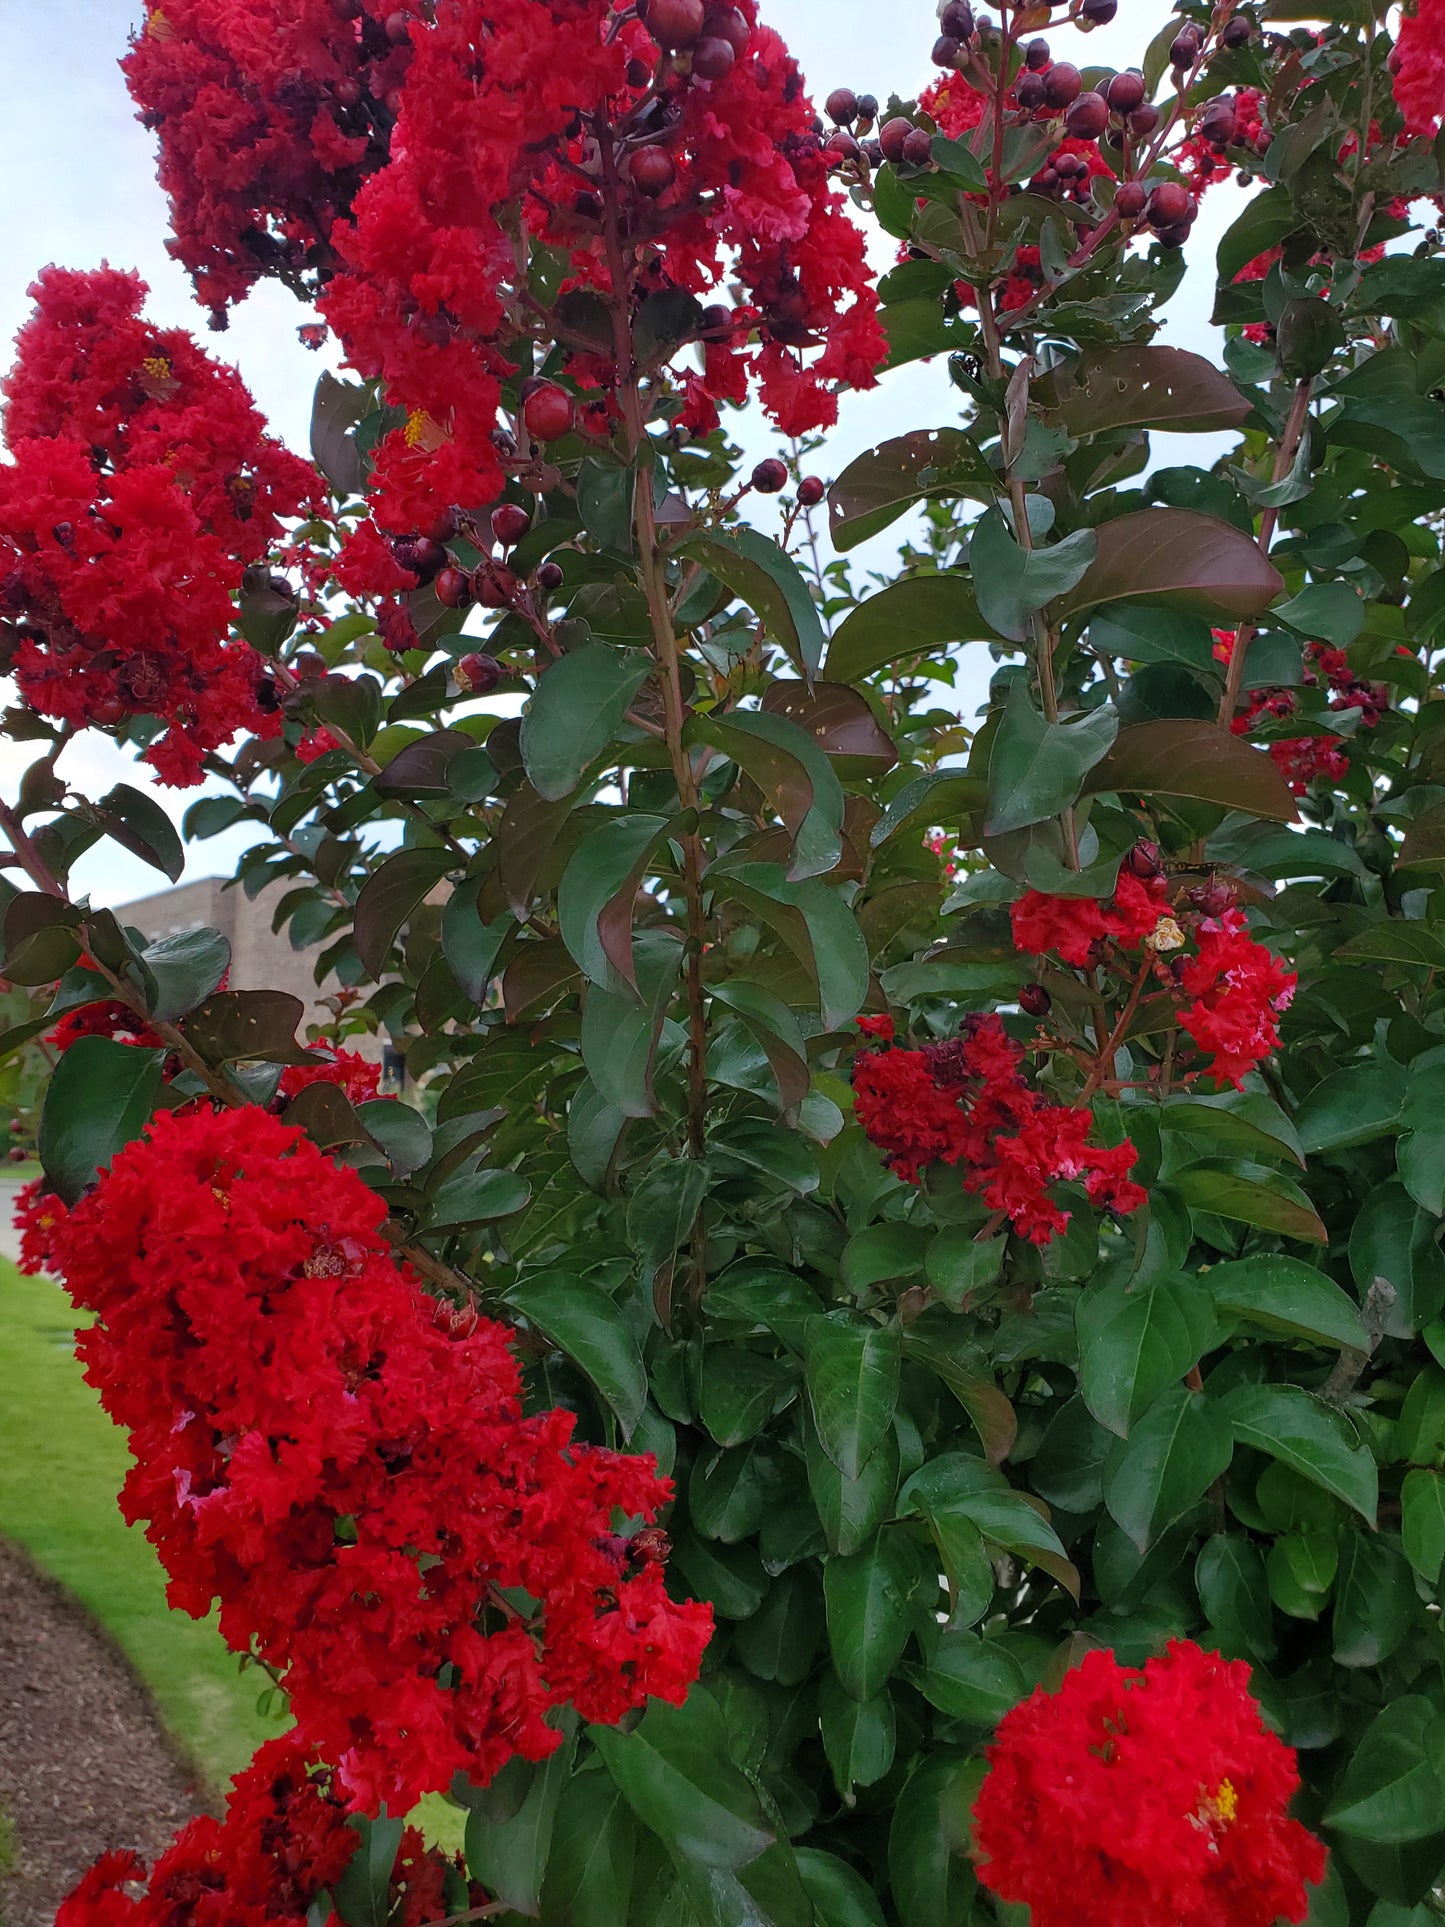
x,y
77,173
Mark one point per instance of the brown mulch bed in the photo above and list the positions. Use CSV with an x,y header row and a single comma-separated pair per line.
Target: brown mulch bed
x,y
85,1764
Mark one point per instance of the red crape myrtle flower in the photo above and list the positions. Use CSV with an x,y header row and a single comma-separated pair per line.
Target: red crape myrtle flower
x,y
457,129
141,486
1417,64
1239,992
1073,926
343,1464
348,1070
965,1102
1136,1796
283,1841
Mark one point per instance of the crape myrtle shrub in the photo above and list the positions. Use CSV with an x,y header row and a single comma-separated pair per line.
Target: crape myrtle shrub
x,y
888,1365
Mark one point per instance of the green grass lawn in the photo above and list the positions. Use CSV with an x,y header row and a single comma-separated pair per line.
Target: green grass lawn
x,y
61,1465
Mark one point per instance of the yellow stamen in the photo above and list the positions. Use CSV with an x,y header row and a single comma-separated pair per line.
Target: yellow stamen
x,y
419,428
157,367
1226,1802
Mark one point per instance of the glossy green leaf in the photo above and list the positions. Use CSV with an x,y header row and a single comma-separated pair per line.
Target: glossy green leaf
x,y
1253,1201
1135,1342
1012,583
1171,1457
362,1896
620,1033
594,1842
767,579
1353,1105
1422,1522
1286,1296
969,1678
840,1895
1375,1602
1393,1787
100,1097
930,1838
675,1773
867,1598
584,1322
898,624
392,894
852,1369
1234,1593
186,968
1038,769
1291,1426
850,1510
597,895
509,1855
575,711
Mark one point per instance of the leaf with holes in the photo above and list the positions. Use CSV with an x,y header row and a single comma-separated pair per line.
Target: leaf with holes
x,y
1174,556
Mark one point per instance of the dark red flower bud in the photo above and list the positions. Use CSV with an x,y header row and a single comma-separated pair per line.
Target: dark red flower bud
x,y
945,51
1035,1000
770,476
918,148
1237,31
718,322
673,23
453,588
510,523
729,23
547,412
1029,92
480,674
713,58
811,491
398,28
1125,92
1168,205
892,137
1184,49
550,577
1143,861
841,107
1088,117
495,587
1144,120
1130,200
957,20
1062,83
1037,56
446,527
652,170
1099,12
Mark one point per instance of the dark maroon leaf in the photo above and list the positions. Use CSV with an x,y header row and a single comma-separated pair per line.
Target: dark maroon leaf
x,y
1175,556
841,721
1196,759
1140,387
389,897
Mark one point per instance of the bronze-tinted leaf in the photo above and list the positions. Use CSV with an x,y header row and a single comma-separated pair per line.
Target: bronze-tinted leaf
x,y
875,489
388,899
1197,759
324,1113
420,768
1175,556
236,1025
841,721
1140,387
537,974
526,836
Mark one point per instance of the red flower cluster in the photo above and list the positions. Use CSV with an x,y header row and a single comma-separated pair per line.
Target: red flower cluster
x,y
344,1464
964,1102
270,117
283,1841
1203,159
142,485
393,147
346,1069
1305,760
1240,991
1077,928
1417,66
1136,1795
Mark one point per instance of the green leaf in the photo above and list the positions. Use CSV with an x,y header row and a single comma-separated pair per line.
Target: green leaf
x,y
840,1895
1329,611
676,1774
775,1027
1234,1593
620,1034
937,796
1375,1603
477,1197
850,1511
969,1678
1422,1523
362,1896
139,824
473,949
989,1410
1148,635
1265,222
852,1368
1037,769
186,968
882,1254
100,1097
767,579
780,1639
867,1599
730,1492
1263,1205
1011,583
1287,1296
817,923
794,774
1353,1105
957,1265
576,709
1245,1123
589,1869
1291,1426
930,1839
955,1486
390,895
581,1320
1177,557
1394,941
1133,1343
236,1025
509,1856
1171,1457
1190,758
403,1134
598,893
908,619
1393,1789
